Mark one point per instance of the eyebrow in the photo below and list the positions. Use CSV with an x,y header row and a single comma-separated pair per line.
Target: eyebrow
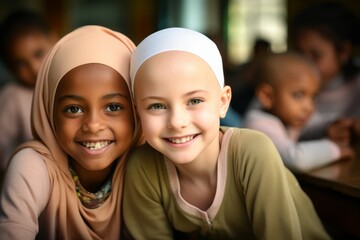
x,y
107,96
185,95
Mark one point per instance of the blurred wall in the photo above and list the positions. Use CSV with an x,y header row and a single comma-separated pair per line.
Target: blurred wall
x,y
135,18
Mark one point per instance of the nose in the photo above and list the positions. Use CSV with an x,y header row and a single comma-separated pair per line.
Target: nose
x,y
178,118
93,122
35,67
309,105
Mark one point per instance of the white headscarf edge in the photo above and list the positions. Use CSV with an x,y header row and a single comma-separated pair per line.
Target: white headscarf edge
x,y
181,39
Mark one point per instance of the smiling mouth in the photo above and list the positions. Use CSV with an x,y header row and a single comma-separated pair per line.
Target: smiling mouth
x,y
182,139
96,145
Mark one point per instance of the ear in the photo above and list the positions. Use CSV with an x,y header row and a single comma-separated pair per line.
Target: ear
x,y
53,37
225,101
345,51
265,95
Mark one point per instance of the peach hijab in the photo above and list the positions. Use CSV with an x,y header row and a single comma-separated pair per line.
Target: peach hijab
x,y
65,217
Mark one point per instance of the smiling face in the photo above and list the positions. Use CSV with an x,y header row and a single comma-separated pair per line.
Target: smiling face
x,y
27,52
180,102
93,116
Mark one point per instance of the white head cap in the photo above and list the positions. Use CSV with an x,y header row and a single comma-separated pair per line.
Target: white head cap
x,y
180,39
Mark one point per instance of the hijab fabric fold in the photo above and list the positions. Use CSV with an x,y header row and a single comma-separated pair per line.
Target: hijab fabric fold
x,y
65,217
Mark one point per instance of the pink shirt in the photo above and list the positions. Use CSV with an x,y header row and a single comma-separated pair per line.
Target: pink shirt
x,y
14,119
299,156
25,194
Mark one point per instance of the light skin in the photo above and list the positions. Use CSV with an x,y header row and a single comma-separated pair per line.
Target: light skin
x,y
180,103
94,121
27,52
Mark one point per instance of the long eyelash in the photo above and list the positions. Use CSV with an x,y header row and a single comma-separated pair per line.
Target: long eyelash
x,y
152,106
117,105
196,100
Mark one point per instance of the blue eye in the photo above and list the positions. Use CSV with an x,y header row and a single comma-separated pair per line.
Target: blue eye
x,y
113,107
73,109
156,106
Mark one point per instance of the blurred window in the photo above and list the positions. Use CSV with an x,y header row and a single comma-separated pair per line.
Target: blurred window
x,y
249,19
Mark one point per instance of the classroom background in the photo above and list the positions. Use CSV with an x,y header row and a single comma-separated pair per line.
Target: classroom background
x,y
233,24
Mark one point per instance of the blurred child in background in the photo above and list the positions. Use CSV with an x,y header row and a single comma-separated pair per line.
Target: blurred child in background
x,y
242,80
327,33
287,84
25,39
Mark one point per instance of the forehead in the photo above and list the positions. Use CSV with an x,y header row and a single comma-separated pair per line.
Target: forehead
x,y
312,37
297,72
22,38
175,64
289,65
92,77
28,41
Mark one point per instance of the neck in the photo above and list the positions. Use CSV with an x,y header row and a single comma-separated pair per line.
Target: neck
x,y
204,167
92,181
194,172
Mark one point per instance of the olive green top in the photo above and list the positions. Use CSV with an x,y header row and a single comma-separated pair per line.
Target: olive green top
x,y
256,196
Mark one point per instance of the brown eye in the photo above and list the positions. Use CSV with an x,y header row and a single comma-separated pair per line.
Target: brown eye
x,y
113,107
298,95
73,109
39,54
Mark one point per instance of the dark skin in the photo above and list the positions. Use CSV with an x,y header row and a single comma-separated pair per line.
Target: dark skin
x,y
340,131
346,133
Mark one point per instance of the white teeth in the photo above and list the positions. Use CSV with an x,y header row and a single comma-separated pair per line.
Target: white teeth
x,y
96,145
181,140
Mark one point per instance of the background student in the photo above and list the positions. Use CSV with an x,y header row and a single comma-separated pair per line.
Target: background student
x,y
67,183
24,42
195,178
287,84
327,33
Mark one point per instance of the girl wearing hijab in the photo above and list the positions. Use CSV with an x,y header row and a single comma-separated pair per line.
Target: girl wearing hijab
x,y
67,183
194,178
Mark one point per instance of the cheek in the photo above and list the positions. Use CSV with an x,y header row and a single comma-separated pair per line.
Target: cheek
x,y
23,73
65,131
123,126
150,125
207,117
127,128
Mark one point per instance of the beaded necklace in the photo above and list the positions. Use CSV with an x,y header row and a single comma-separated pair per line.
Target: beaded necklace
x,y
88,199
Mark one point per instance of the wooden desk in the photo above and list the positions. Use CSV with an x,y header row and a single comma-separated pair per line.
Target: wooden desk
x,y
335,192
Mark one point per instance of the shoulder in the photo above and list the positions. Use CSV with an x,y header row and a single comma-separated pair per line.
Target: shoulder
x,y
248,138
259,119
356,78
29,164
249,147
31,156
25,193
145,172
11,88
27,174
142,151
15,92
144,158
